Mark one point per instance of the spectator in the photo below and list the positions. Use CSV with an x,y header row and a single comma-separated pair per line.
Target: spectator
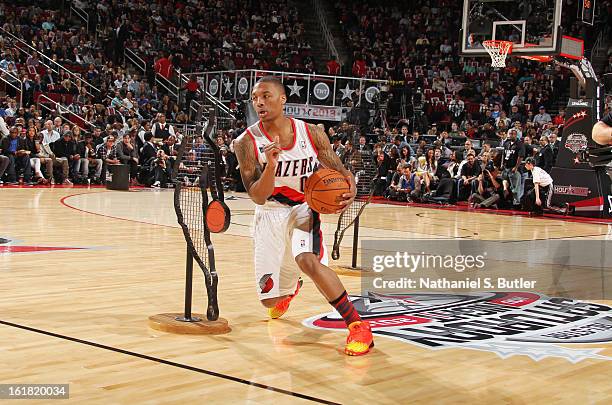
x,y
108,153
14,148
530,149
4,164
32,145
516,116
456,108
161,129
514,153
192,88
363,147
542,117
469,173
163,66
333,67
407,183
64,150
559,118
127,155
545,155
87,151
359,67
50,134
488,191
555,144
337,147
466,150
383,173
162,170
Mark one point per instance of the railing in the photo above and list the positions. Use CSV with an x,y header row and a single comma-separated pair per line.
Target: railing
x,y
206,96
175,89
168,85
224,118
11,80
194,106
135,59
90,88
329,38
82,14
64,113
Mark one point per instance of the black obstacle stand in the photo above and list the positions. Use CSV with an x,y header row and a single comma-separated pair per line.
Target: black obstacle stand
x,y
196,172
363,167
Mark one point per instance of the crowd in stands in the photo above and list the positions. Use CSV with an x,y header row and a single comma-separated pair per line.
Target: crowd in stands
x,y
206,35
35,151
415,45
453,165
474,126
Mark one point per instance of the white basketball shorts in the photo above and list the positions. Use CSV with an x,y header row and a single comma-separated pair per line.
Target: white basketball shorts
x,y
282,233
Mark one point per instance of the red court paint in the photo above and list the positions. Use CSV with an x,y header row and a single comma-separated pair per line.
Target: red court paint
x,y
31,249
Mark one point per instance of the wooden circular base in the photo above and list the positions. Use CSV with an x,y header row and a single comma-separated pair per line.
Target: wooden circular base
x,y
353,272
169,323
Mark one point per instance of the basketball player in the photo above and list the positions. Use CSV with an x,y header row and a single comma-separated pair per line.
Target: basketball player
x,y
276,155
602,131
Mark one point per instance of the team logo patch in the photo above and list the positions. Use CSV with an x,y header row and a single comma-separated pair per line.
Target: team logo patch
x,y
506,323
576,142
266,283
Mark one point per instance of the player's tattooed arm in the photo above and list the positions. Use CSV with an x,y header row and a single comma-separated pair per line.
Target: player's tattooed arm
x,y
330,160
258,182
327,156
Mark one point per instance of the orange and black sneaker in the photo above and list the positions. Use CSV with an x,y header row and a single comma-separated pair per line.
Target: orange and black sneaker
x,y
359,340
282,306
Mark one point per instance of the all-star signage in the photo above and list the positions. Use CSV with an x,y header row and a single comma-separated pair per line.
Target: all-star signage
x,y
506,323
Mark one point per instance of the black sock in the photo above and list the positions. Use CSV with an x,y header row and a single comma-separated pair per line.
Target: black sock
x,y
345,308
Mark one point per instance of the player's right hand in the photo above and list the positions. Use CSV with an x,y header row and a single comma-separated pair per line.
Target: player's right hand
x,y
272,152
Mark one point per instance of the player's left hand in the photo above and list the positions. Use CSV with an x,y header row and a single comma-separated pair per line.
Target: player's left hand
x,y
538,202
349,197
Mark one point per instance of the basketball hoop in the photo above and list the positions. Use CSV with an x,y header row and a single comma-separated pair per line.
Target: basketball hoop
x,y
498,50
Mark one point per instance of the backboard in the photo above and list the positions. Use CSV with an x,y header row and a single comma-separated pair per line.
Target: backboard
x,y
533,26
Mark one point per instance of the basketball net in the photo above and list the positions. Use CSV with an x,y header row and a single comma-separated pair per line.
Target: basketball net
x,y
498,50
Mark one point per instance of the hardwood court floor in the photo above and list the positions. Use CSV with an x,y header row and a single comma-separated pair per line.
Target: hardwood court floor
x,y
80,316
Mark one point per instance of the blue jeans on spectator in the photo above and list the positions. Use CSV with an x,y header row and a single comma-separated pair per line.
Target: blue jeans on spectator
x,y
463,191
4,163
19,162
516,184
524,176
75,166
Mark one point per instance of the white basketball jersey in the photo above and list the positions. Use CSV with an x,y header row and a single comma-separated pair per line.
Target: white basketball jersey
x,y
295,163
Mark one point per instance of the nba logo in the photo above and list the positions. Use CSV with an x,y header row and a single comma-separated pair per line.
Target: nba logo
x,y
303,144
302,243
